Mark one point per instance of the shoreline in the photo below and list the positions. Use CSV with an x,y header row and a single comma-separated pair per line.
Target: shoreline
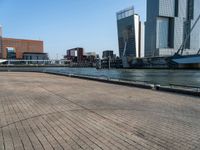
x,y
178,89
68,66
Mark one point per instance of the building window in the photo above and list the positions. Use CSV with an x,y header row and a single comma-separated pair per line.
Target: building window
x,y
190,11
176,8
171,33
11,53
162,32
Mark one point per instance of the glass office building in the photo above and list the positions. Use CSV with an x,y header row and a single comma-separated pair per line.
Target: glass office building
x,y
168,23
130,34
126,32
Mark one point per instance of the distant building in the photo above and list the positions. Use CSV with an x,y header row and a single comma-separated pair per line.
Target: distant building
x,y
129,33
35,56
168,23
11,48
75,55
90,57
108,53
15,48
109,60
90,54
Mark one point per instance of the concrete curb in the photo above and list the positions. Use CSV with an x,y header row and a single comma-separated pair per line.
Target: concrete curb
x,y
180,91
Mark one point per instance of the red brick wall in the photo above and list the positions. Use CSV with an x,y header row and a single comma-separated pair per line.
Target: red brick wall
x,y
22,46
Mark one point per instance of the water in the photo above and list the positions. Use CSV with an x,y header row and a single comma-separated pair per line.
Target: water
x,y
162,77
154,76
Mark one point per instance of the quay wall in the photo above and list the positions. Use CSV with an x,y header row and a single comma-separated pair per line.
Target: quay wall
x,y
192,91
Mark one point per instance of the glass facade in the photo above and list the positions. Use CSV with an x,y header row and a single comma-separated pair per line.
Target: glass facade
x,y
126,32
162,32
168,24
125,13
190,10
195,35
11,54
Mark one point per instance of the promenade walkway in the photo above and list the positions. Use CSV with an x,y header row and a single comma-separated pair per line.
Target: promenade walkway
x,y
40,111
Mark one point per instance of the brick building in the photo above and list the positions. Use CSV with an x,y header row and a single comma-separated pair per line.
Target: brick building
x,y
15,48
75,54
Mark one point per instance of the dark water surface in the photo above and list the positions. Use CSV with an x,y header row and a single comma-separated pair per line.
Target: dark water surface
x,y
162,77
154,76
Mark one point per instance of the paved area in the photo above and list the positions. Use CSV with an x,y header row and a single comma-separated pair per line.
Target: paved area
x,y
41,111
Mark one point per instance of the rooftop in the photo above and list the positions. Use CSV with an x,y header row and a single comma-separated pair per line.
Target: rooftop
x,y
27,40
125,13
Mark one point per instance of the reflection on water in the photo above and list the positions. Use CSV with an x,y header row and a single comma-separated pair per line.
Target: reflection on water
x,y
162,77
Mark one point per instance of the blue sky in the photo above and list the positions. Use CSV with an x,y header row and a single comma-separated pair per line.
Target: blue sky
x,y
64,24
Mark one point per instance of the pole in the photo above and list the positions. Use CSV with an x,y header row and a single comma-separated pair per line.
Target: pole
x,y
109,62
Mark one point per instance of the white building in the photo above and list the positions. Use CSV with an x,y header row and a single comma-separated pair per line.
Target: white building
x,y
142,39
139,36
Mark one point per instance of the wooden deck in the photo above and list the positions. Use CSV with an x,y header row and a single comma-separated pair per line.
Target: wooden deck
x,y
41,111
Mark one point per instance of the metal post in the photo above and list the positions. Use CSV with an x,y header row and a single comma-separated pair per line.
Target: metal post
x,y
109,62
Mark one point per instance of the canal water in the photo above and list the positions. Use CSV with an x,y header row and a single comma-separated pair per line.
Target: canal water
x,y
162,77
154,76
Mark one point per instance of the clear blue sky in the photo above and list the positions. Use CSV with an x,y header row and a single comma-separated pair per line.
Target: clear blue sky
x,y
64,24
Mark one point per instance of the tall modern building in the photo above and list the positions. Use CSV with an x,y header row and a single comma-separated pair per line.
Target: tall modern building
x,y
168,24
142,40
129,35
